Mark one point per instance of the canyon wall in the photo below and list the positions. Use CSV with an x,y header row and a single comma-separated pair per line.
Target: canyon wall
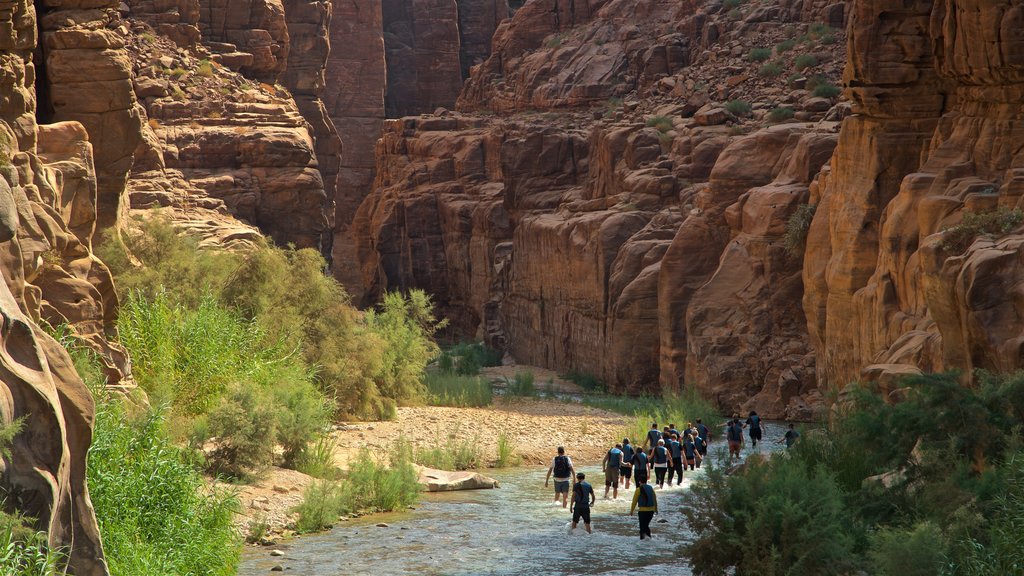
x,y
593,207
937,136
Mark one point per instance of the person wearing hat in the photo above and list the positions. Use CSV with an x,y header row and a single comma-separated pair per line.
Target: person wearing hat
x,y
583,498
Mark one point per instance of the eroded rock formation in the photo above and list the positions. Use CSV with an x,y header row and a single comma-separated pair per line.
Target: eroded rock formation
x,y
632,227
937,134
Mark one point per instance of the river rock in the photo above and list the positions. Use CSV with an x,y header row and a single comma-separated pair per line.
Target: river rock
x,y
442,481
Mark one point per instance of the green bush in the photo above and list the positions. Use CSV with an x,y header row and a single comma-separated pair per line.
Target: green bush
x,y
770,70
826,90
522,384
739,108
908,552
460,391
779,114
759,54
451,453
662,123
24,551
956,239
772,519
406,324
318,459
506,452
785,46
244,429
369,486
588,382
797,227
805,61
468,358
731,4
156,513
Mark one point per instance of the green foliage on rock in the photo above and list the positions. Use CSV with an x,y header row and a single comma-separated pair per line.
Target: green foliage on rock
x,y
927,485
956,239
24,550
739,108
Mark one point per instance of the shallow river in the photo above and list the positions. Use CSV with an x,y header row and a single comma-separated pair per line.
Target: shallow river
x,y
515,529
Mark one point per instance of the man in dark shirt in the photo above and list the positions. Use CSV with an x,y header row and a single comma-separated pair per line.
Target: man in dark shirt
x,y
583,498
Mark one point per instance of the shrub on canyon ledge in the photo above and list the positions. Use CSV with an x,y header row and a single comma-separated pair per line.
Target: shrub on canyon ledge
x,y
797,226
826,90
738,108
956,239
779,114
662,123
759,54
805,61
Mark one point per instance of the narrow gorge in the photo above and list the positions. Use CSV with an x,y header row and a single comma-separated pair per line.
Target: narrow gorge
x,y
761,200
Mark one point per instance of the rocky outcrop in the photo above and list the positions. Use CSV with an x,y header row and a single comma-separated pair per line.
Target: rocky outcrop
x,y
85,76
442,481
216,142
355,103
309,23
421,39
478,20
637,240
48,202
936,136
252,34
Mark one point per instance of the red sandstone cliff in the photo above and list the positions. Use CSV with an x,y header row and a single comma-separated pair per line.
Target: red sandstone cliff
x,y
634,230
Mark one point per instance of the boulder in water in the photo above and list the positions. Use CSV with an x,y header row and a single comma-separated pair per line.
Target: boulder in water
x,y
443,481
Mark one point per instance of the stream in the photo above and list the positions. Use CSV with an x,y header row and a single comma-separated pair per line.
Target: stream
x,y
516,529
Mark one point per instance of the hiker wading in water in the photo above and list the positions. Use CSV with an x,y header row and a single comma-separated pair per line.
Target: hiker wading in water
x,y
626,470
563,470
645,502
612,464
583,498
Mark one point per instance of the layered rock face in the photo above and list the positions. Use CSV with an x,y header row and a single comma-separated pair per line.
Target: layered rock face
x,y
49,205
936,136
637,241
421,39
355,102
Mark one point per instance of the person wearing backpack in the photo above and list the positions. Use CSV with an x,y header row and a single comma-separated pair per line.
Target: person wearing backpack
x,y
662,462
563,471
646,503
754,422
611,464
703,438
675,448
626,469
734,434
640,462
583,498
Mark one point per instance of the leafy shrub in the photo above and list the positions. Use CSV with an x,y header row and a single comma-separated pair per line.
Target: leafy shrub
x,y
205,68
956,239
785,46
506,452
770,70
406,324
805,61
318,459
818,29
468,358
244,430
731,4
797,226
451,453
460,391
522,384
156,513
908,552
369,486
24,551
759,54
828,39
738,107
788,520
662,123
584,380
826,90
779,114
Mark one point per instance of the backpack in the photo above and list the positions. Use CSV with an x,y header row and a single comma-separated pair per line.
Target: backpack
x,y
660,454
614,458
579,494
562,469
646,498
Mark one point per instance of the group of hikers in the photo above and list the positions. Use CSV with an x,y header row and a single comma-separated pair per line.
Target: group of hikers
x,y
668,452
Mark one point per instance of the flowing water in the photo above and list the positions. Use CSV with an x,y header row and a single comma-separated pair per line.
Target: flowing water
x,y
515,529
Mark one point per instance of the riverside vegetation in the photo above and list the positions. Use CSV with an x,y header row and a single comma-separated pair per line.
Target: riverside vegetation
x,y
932,485
245,357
